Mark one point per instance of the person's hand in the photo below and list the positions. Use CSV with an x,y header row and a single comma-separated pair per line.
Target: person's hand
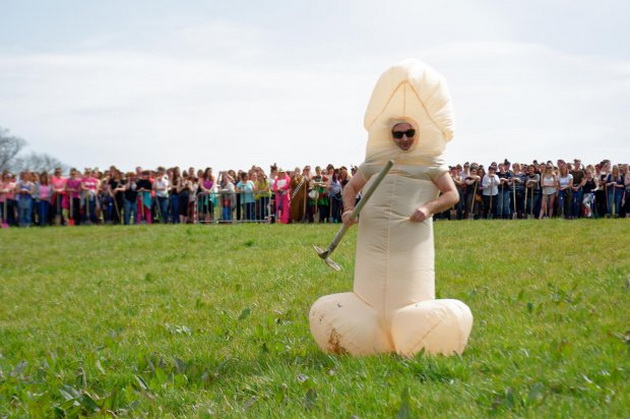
x,y
421,214
345,218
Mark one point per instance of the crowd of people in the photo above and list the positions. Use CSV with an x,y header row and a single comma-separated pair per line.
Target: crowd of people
x,y
500,190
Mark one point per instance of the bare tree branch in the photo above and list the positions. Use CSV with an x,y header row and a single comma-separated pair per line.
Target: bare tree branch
x,y
10,146
37,162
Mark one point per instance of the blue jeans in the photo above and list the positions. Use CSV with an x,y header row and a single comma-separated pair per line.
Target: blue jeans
x,y
226,212
90,209
162,206
130,207
576,203
43,211
614,200
503,203
25,208
174,208
250,211
532,206
261,208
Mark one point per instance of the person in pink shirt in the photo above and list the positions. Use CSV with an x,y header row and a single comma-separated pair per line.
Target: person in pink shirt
x,y
73,191
281,185
59,200
7,199
44,193
89,186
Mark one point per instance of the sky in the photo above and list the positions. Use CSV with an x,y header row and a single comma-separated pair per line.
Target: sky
x,y
231,84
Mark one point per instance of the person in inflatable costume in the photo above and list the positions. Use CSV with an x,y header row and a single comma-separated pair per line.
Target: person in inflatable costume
x,y
393,308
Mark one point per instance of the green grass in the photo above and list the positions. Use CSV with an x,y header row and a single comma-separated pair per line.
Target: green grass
x,y
213,321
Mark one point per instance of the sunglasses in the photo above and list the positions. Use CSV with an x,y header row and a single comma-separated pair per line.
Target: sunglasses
x,y
399,134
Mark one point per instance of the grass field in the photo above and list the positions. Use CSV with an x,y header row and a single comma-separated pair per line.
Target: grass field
x,y
213,321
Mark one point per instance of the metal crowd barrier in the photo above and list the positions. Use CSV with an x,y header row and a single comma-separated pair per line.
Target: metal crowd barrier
x,y
232,207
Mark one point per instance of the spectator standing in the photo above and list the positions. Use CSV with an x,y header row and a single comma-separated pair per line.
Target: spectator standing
x,y
472,185
506,185
44,192
281,187
161,186
73,191
208,196
24,190
184,188
262,195
532,185
227,190
299,189
175,180
549,184
589,186
321,206
578,180
130,194
144,188
601,194
192,199
245,187
565,192
626,174
614,191
335,198
4,191
89,186
518,194
490,191
59,200
114,191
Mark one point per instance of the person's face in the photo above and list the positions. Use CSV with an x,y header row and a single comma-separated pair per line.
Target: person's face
x,y
404,136
530,170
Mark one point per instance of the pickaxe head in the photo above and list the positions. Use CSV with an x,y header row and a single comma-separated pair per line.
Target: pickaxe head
x,y
324,255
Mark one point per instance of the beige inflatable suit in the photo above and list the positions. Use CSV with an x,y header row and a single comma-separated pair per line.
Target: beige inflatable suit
x,y
393,306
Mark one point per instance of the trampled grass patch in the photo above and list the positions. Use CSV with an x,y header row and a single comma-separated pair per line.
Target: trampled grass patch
x,y
213,320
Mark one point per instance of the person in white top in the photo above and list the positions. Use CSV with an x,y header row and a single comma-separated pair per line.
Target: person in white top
x,y
490,191
565,192
161,186
549,183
